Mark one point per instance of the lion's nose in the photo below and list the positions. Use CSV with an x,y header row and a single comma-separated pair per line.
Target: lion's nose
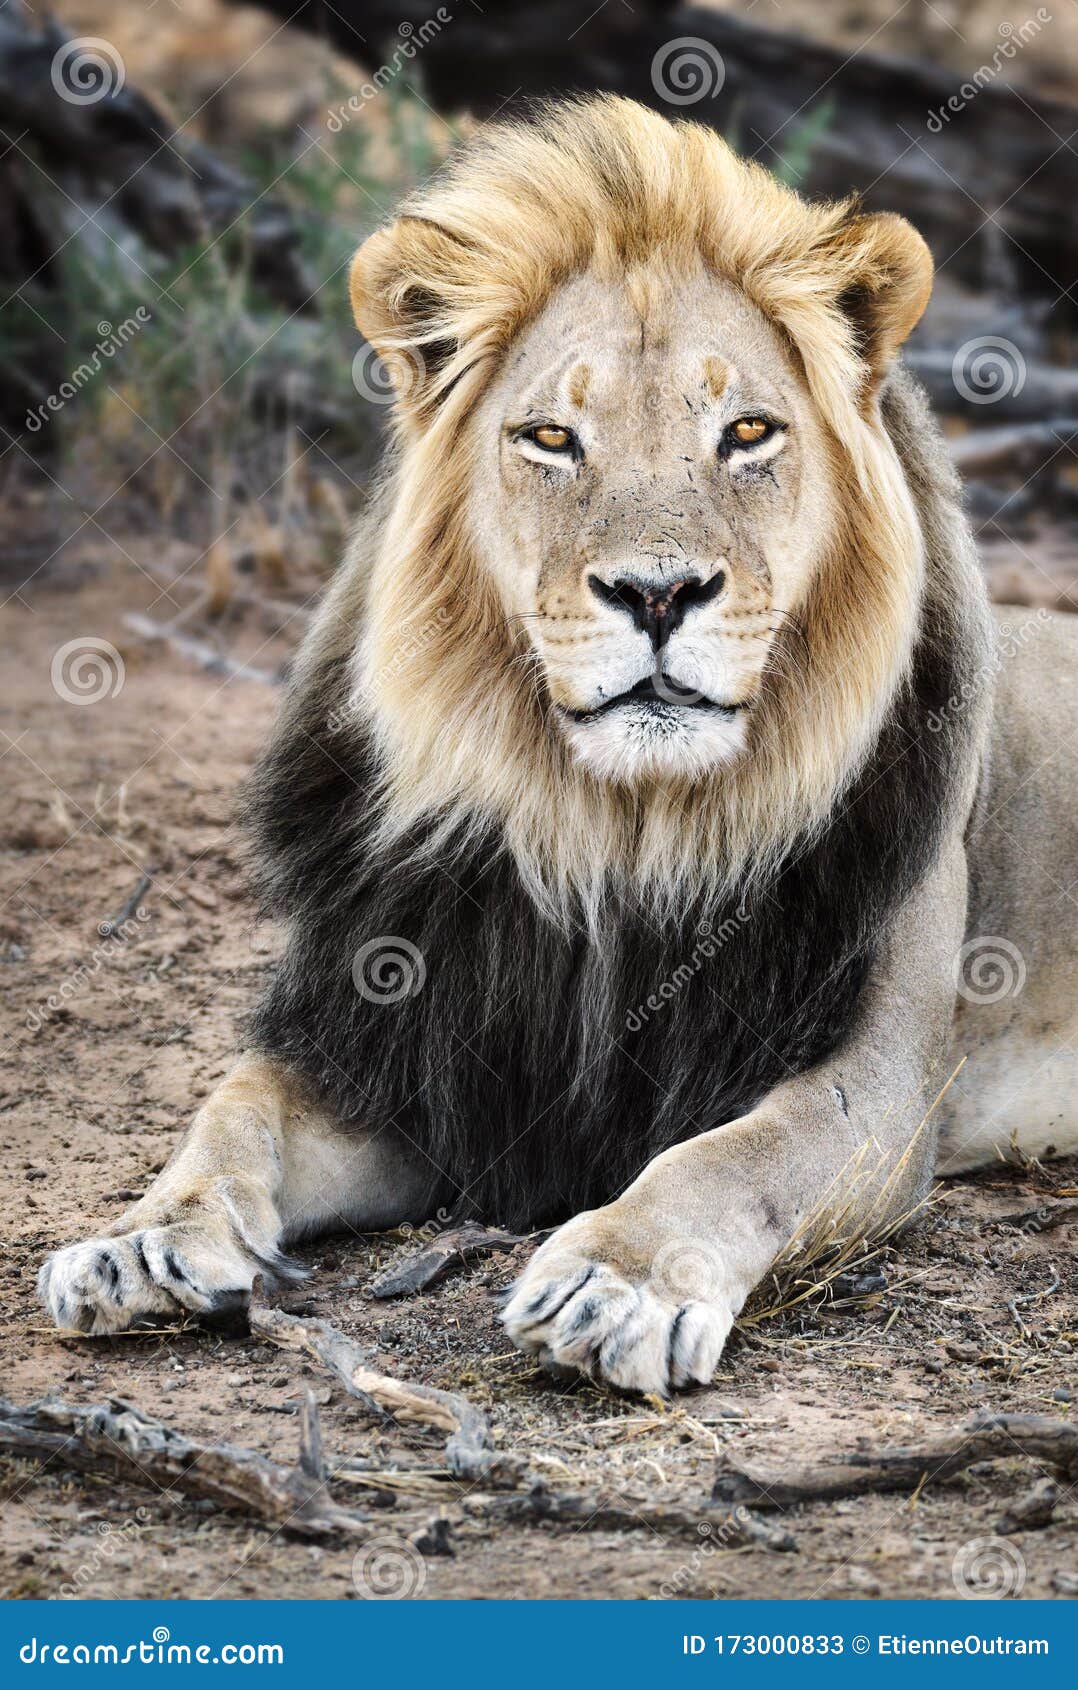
x,y
657,608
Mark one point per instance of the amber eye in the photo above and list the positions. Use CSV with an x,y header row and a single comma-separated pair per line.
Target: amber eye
x,y
551,438
748,430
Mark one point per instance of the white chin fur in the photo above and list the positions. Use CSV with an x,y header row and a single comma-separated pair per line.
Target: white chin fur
x,y
630,743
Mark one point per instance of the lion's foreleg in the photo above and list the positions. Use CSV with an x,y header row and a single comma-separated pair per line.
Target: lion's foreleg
x,y
262,1164
646,1289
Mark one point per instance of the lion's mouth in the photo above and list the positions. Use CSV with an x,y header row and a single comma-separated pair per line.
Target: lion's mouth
x,y
658,694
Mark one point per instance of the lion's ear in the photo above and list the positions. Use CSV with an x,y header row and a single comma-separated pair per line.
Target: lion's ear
x,y
404,283
885,271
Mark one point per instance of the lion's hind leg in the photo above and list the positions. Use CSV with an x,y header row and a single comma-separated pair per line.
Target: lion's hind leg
x,y
262,1164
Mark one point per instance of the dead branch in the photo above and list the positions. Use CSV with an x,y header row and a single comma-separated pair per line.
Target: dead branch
x,y
902,1468
468,1450
1044,391
1044,1219
117,1439
1021,449
197,651
119,921
438,1259
591,1512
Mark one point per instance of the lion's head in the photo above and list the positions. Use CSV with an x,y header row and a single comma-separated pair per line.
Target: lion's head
x,y
647,570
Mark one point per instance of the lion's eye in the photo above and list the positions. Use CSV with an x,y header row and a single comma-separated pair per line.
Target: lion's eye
x,y
551,438
748,431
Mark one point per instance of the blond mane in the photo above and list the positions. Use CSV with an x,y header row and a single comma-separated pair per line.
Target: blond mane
x,y
447,687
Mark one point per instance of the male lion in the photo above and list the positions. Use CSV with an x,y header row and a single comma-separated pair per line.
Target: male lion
x,y
651,769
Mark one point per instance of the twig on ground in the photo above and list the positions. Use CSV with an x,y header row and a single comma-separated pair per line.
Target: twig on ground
x,y
1032,1297
468,1451
197,651
116,1438
906,1467
119,921
1043,1219
438,1258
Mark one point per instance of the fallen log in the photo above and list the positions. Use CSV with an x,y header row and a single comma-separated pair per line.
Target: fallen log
x,y
1043,1219
117,1439
1003,384
901,1467
469,1453
67,102
198,651
827,118
1021,449
724,1528
438,1258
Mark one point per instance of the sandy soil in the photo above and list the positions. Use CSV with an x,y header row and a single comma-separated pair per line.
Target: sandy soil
x,y
96,1088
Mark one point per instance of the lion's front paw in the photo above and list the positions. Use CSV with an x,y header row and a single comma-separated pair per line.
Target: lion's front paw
x,y
644,1326
110,1284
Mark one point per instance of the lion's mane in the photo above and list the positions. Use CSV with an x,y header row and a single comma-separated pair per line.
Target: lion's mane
x,y
604,973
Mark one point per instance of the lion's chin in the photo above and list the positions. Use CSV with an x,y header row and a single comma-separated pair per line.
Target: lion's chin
x,y
630,745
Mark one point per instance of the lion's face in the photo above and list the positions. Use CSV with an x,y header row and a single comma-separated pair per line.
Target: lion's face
x,y
651,494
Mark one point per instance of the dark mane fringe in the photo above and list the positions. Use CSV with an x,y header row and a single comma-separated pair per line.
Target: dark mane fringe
x,y
530,1068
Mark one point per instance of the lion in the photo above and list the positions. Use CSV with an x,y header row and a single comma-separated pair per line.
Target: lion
x,y
659,813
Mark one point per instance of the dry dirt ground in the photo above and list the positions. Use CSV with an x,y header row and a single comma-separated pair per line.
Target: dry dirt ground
x,y
94,1094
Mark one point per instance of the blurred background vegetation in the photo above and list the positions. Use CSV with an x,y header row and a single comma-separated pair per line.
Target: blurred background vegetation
x,y
214,166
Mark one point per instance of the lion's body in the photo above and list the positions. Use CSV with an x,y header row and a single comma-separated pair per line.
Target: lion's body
x,y
1015,1016
658,724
